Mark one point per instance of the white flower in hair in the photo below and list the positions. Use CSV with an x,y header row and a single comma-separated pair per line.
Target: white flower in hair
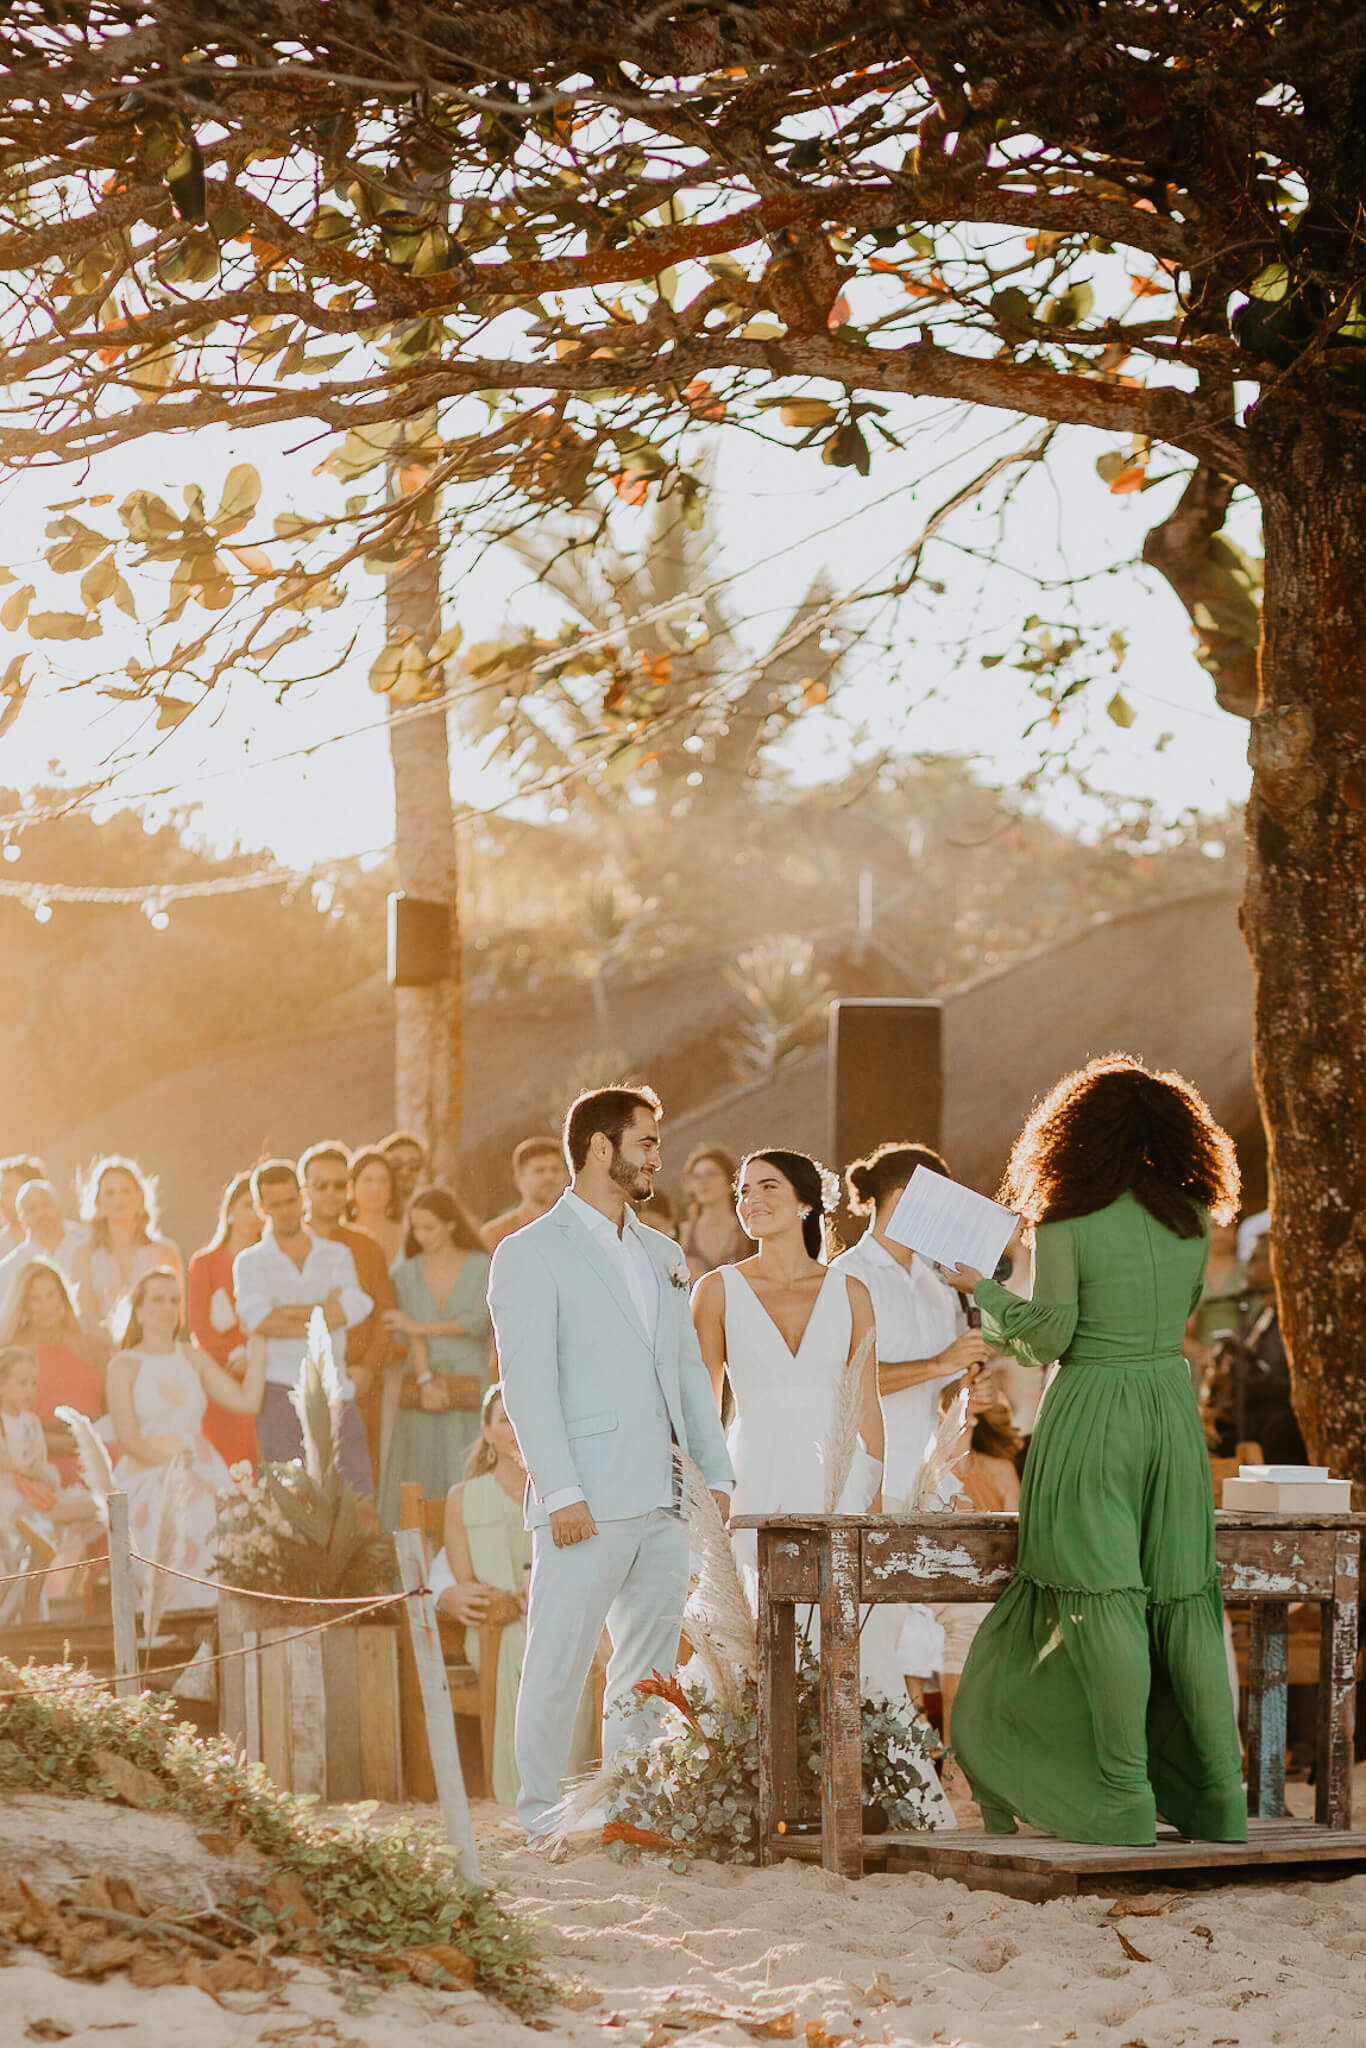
x,y
830,1190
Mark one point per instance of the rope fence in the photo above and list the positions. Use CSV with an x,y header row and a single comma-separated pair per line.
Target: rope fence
x,y
355,1609
48,1570
201,1663
127,1679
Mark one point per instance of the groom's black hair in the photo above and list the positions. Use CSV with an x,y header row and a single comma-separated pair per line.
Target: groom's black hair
x,y
609,1110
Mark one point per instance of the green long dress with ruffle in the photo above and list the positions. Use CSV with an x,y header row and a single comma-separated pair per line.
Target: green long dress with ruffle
x,y
1096,1696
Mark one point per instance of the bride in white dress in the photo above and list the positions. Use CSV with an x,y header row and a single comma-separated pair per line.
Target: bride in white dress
x,y
783,1328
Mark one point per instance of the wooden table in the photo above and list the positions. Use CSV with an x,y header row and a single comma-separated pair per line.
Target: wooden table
x,y
838,1564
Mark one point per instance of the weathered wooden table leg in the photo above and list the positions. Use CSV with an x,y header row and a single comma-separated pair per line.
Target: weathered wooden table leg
x,y
777,1704
1337,1689
841,1704
1268,1664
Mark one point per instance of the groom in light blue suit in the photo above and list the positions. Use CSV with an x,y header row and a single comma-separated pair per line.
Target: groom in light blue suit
x,y
601,1377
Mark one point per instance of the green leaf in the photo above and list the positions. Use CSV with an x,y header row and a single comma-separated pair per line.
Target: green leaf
x,y
1270,284
1012,307
148,517
258,348
100,581
363,449
433,253
728,268
62,626
193,261
1121,711
1070,308
330,224
16,605
185,181
241,494
847,449
150,373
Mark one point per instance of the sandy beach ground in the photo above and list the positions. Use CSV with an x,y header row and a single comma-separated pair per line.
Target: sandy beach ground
x,y
648,1957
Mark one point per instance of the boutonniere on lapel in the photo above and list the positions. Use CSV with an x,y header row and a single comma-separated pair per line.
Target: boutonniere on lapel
x,y
678,1277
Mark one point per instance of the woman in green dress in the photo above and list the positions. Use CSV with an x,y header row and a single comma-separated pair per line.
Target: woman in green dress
x,y
488,1550
443,1319
1096,1696
487,1558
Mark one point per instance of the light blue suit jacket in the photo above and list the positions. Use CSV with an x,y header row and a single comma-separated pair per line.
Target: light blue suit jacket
x,y
591,1393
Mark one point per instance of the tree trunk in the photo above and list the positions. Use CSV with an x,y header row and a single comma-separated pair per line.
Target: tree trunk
x,y
1304,913
428,1022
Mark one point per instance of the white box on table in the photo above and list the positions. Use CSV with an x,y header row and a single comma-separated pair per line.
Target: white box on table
x,y
1288,1496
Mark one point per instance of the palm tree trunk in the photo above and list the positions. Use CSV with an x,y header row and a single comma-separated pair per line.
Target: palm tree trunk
x,y
428,1021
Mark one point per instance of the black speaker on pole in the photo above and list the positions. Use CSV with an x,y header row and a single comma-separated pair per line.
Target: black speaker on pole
x,y
419,942
886,1074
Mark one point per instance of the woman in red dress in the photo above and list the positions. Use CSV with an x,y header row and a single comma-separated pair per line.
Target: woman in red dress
x,y
71,1361
213,1316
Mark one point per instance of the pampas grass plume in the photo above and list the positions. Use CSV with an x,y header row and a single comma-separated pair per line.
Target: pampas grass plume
x,y
845,1420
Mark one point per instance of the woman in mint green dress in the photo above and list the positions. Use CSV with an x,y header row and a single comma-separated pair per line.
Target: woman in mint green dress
x,y
1096,1699
443,1319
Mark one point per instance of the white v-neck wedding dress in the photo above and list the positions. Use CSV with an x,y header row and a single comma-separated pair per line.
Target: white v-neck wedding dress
x,y
785,1405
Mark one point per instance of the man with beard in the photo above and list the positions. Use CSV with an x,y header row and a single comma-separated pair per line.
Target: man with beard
x,y
601,1378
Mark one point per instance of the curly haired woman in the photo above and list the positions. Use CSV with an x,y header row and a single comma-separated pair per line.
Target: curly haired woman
x,y
1096,1695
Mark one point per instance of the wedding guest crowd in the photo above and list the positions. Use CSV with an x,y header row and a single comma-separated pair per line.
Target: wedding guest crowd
x,y
188,1382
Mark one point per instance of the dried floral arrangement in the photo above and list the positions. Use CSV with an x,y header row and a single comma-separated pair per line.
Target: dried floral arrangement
x,y
694,1789
301,1528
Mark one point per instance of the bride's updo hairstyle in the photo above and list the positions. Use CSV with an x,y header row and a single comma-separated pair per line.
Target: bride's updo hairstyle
x,y
815,1188
1113,1128
870,1181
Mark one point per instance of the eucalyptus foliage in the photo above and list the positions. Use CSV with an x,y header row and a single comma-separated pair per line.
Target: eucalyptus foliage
x,y
694,1791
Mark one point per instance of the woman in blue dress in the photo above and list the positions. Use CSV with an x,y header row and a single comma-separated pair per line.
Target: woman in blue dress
x,y
442,1319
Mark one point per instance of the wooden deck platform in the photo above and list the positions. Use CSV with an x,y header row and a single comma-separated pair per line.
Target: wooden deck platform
x,y
1030,1866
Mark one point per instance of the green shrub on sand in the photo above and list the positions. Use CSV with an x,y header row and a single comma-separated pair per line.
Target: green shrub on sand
x,y
374,1892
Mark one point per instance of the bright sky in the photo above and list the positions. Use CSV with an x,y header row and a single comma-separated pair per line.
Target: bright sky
x,y
783,517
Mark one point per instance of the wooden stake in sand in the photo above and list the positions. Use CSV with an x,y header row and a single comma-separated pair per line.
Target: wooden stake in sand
x,y
436,1702
121,1598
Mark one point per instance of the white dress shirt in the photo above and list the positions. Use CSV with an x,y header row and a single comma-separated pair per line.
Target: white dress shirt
x,y
626,1250
266,1278
918,1315
28,1249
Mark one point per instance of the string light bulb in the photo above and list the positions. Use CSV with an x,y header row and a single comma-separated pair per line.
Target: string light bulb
x,y
43,913
13,850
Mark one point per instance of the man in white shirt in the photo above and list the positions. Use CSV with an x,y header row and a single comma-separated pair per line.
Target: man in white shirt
x,y
44,1234
278,1283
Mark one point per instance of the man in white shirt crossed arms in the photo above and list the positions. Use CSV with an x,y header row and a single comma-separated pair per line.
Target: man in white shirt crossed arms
x,y
278,1283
